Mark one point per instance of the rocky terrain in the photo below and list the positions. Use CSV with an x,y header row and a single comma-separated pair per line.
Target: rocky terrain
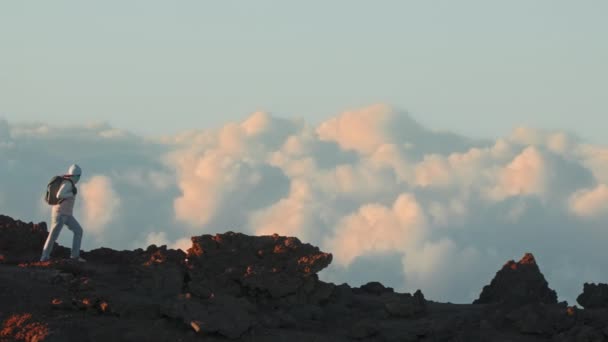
x,y
244,288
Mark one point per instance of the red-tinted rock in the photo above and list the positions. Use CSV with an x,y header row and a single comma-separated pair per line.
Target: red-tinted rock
x,y
153,255
231,263
518,283
22,242
22,327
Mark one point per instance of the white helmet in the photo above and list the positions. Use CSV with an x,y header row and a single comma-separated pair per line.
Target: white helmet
x,y
74,170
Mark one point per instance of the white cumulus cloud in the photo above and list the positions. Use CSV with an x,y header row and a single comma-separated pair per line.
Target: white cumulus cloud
x,y
100,203
590,203
391,199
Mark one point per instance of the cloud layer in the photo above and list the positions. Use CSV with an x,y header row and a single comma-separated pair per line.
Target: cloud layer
x,y
393,200
100,204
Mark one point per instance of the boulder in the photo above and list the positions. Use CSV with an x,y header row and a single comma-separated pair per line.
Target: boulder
x,y
594,296
234,263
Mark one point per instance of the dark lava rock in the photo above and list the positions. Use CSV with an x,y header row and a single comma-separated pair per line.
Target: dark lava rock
x,y
518,283
375,287
407,305
594,296
273,266
237,287
23,242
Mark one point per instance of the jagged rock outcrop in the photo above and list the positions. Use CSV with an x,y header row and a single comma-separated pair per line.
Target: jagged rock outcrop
x,y
237,287
594,296
518,283
237,264
21,241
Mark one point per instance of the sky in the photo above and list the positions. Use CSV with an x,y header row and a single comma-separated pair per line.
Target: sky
x,y
479,68
423,144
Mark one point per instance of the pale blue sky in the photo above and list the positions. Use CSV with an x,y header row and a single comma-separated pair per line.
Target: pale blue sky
x,y
154,67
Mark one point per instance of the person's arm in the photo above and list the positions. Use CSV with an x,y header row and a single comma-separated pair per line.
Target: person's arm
x,y
65,191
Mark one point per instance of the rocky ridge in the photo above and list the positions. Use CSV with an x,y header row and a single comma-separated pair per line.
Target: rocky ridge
x,y
236,287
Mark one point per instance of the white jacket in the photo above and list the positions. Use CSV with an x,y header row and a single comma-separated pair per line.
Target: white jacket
x,y
66,195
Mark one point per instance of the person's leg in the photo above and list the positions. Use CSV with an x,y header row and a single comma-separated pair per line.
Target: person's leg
x,y
57,222
75,227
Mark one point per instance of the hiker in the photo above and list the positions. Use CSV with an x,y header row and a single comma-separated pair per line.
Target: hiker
x,y
62,202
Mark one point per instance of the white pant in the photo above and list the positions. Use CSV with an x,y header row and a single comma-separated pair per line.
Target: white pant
x,y
57,222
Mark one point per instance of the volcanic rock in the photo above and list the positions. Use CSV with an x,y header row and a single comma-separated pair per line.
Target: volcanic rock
x,y
594,296
518,283
237,287
22,327
224,315
407,305
376,288
272,266
20,241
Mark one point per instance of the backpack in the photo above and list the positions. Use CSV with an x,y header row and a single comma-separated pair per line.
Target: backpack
x,y
52,188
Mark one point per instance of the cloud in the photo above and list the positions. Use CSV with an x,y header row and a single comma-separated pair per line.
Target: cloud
x,y
596,159
363,130
367,129
556,142
375,228
100,203
430,263
5,135
294,213
225,174
393,200
525,175
590,203
220,189
5,131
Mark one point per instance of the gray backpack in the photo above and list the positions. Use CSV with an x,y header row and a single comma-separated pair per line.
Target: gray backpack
x,y
53,187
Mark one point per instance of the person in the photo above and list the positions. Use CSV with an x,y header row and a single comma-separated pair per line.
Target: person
x,y
63,214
